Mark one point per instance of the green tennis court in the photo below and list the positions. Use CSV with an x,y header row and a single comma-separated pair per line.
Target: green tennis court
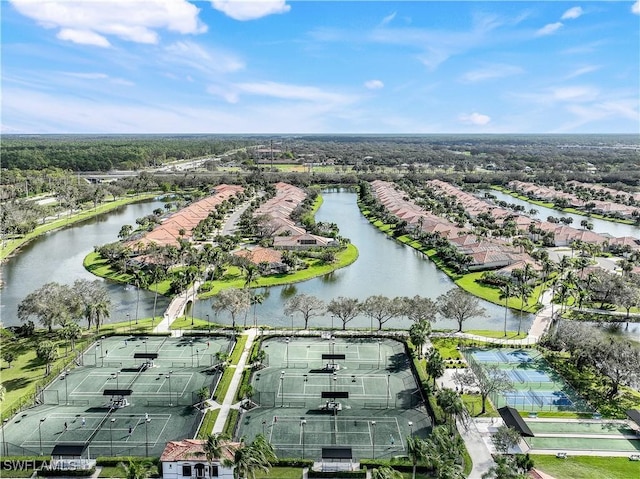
x,y
580,427
351,392
584,444
127,396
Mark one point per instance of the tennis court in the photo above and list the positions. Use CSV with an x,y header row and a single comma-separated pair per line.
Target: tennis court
x,y
537,387
128,396
349,392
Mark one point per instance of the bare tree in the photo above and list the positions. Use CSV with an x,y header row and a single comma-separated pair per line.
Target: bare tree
x,y
235,301
459,305
305,304
344,309
382,309
489,379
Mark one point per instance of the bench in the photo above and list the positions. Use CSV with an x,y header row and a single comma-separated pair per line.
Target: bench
x,y
561,455
634,457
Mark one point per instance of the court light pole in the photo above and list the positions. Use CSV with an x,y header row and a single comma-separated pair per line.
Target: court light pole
x,y
5,449
170,398
191,346
129,320
113,419
282,389
66,389
115,375
209,324
378,354
410,428
95,353
388,389
287,352
146,436
40,433
373,439
145,346
102,351
264,423
302,424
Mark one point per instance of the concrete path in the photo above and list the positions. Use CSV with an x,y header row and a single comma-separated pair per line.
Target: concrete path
x,y
476,447
540,325
228,402
176,308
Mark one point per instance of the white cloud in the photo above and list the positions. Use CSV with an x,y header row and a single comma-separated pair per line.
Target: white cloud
x,y
90,23
490,72
583,71
206,60
549,29
84,37
386,20
635,8
250,9
225,92
374,84
475,119
572,13
293,92
574,94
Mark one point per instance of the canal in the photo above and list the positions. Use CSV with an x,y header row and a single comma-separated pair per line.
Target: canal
x,y
599,226
384,267
58,255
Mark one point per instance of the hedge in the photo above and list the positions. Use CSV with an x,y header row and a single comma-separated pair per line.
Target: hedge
x,y
232,420
206,428
244,382
404,466
436,410
341,474
223,385
115,461
66,472
238,349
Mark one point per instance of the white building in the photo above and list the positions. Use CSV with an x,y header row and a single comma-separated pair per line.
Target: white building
x,y
186,458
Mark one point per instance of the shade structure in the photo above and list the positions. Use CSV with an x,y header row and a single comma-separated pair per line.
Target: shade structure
x,y
512,418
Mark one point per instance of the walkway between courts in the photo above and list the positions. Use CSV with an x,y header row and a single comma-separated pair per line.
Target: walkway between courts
x,y
229,399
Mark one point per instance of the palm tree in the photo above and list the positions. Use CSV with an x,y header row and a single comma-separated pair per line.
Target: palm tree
x,y
451,404
138,469
417,452
435,365
507,290
257,456
525,289
386,472
419,333
217,446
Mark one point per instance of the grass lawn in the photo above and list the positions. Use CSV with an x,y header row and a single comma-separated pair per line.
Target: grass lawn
x,y
27,371
473,404
238,349
233,278
184,322
497,334
448,347
281,473
15,243
99,266
587,467
207,424
223,385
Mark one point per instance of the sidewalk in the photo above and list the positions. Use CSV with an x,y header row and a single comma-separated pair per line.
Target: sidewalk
x,y
229,399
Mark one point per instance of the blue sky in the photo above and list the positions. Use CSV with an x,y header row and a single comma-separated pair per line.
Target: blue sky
x,y
236,66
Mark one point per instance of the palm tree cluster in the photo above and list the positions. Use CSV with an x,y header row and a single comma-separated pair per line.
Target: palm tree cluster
x,y
442,452
246,459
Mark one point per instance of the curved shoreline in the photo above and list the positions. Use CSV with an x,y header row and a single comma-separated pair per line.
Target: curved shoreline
x,y
16,245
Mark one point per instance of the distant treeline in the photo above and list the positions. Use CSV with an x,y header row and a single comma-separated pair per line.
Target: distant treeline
x,y
104,153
